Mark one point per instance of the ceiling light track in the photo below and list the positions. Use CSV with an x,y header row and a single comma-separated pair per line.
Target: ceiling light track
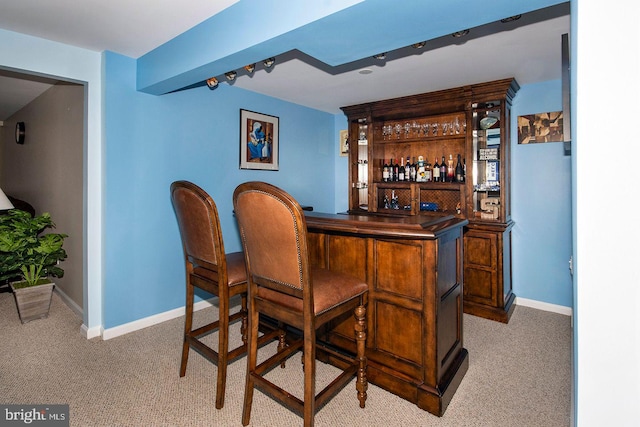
x,y
212,82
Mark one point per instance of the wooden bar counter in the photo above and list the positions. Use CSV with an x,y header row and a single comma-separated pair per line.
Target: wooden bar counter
x,y
414,268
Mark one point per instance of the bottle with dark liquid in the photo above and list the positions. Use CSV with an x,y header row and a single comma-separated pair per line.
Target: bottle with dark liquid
x,y
396,171
459,171
413,173
443,171
401,171
436,171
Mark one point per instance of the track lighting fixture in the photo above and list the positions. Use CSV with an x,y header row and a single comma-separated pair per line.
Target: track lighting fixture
x,y
269,62
231,75
212,83
250,68
511,18
380,56
459,34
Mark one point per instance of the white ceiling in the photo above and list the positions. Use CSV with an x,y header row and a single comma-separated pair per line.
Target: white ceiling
x,y
528,49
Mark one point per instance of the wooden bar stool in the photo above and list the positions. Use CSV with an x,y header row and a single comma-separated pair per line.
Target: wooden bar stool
x,y
285,287
208,267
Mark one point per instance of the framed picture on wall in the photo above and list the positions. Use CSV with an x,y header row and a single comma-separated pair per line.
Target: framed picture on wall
x,y
344,143
259,142
540,127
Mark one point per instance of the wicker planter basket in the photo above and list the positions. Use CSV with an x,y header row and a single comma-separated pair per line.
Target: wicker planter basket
x,y
33,302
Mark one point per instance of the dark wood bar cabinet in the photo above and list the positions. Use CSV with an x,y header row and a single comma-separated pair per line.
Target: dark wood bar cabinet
x,y
414,268
470,125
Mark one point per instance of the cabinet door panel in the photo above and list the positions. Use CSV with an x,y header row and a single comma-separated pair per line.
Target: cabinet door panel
x,y
348,255
398,331
399,268
480,272
450,329
479,249
477,285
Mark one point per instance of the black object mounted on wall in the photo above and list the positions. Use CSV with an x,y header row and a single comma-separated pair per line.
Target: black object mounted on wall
x,y
20,133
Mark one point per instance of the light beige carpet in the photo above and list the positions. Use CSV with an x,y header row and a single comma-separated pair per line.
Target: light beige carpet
x,y
519,375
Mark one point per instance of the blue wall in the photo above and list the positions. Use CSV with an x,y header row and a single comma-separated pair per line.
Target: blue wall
x,y
342,168
150,141
541,205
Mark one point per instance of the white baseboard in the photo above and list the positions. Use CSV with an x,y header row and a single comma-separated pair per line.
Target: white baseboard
x,y
69,302
89,333
545,306
136,325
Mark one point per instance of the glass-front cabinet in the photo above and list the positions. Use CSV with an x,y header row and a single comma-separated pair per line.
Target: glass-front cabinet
x,y
358,141
486,152
437,154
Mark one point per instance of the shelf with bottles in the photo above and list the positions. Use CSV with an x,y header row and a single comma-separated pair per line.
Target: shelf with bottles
x,y
420,170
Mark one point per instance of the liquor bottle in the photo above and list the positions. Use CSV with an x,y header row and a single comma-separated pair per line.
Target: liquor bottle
x,y
385,172
396,171
401,171
443,171
428,172
451,171
392,173
414,170
459,171
436,171
407,170
421,173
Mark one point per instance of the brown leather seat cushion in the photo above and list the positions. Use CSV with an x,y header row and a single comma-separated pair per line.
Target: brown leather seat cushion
x,y
236,270
330,288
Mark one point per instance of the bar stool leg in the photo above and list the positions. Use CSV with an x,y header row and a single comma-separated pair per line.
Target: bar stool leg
x,y
361,337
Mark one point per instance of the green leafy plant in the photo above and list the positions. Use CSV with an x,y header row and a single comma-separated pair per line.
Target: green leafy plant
x,y
26,253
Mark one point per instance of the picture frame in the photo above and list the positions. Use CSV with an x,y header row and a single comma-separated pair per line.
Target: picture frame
x,y
259,141
541,127
344,143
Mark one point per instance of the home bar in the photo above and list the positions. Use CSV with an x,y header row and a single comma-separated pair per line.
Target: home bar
x,y
432,241
413,266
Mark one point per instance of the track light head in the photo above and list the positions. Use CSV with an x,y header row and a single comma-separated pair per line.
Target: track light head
x,y
269,62
212,83
459,34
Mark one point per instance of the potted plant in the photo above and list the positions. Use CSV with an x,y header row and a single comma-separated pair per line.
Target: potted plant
x,y
28,258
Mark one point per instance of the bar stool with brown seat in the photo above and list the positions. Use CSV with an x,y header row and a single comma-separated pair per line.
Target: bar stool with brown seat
x,y
285,287
208,267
